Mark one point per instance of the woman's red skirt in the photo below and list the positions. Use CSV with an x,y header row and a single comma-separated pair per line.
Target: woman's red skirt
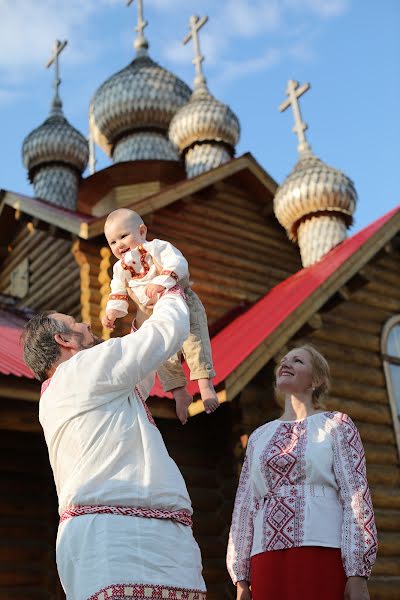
x,y
305,573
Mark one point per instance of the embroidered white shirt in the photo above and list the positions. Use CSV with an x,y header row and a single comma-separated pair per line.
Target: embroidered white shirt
x,y
141,266
303,483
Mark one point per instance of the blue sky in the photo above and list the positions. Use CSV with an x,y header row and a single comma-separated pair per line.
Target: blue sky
x,y
348,50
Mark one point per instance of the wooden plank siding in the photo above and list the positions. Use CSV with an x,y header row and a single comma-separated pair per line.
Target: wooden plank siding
x,y
54,280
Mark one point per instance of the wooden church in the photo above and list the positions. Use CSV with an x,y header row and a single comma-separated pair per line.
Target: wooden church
x,y
273,266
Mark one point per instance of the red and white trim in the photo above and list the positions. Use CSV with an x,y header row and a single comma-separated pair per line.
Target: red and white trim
x,y
170,274
180,516
176,289
146,408
146,591
145,268
118,297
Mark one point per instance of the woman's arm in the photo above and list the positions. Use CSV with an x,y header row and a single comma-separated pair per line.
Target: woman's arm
x,y
359,538
242,529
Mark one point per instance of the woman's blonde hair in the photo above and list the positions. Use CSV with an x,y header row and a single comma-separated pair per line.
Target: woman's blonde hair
x,y
321,374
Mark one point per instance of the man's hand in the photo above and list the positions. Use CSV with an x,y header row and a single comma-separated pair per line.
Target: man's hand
x,y
356,589
243,591
109,319
153,289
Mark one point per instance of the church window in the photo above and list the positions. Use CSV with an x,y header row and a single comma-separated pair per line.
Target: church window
x,y
391,362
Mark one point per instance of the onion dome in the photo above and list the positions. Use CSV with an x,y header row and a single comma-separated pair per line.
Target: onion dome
x,y
315,203
55,141
55,153
204,130
140,99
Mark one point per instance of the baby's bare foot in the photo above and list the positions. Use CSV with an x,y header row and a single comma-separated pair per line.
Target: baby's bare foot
x,y
208,395
182,400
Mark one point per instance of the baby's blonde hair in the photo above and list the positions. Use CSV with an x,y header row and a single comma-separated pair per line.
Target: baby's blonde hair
x,y
124,213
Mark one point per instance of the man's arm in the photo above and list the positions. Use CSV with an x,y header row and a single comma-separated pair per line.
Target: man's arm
x,y
120,363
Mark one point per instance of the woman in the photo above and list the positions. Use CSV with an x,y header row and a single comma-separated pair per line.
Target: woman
x,y
303,523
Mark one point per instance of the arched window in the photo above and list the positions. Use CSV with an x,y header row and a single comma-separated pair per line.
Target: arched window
x,y
391,363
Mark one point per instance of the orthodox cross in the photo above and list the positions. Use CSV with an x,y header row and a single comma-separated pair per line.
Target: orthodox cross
x,y
195,24
57,49
294,91
141,44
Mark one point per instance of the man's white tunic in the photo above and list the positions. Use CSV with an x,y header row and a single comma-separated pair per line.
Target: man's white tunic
x,y
104,450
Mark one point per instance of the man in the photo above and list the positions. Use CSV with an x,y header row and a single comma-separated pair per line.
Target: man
x,y
124,509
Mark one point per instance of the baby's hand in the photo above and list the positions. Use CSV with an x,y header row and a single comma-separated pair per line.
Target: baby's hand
x,y
109,319
153,289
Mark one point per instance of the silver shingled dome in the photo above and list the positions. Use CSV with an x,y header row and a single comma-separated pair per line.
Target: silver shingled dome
x,y
142,96
313,187
204,119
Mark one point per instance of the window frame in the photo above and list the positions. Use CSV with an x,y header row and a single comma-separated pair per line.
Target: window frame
x,y
387,361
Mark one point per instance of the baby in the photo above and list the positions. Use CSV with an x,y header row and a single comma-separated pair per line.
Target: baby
x,y
145,270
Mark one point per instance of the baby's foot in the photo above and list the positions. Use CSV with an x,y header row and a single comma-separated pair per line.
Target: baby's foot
x,y
208,395
183,400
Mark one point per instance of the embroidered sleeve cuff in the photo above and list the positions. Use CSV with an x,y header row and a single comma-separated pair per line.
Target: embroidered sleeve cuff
x,y
118,302
241,576
366,572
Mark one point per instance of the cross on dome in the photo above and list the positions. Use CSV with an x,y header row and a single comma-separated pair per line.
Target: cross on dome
x,y
195,24
294,91
140,44
58,47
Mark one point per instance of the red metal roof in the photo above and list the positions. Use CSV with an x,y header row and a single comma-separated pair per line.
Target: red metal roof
x,y
11,362
230,347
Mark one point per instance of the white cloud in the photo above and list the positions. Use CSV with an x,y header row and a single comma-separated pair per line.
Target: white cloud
x,y
232,70
29,28
7,96
302,51
248,18
322,8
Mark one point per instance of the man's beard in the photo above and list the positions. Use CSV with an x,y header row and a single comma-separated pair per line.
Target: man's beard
x,y
94,342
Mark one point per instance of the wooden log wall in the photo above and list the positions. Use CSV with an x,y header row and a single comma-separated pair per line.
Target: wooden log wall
x,y
88,260
202,450
54,280
28,516
235,252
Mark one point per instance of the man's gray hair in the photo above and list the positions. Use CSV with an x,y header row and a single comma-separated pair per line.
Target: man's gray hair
x,y
41,350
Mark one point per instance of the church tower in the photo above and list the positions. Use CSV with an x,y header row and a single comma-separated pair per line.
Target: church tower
x,y
131,111
315,203
56,154
204,130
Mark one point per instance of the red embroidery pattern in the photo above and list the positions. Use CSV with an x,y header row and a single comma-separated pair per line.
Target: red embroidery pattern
x,y
170,274
146,591
118,297
145,268
174,290
180,516
283,464
359,537
146,408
